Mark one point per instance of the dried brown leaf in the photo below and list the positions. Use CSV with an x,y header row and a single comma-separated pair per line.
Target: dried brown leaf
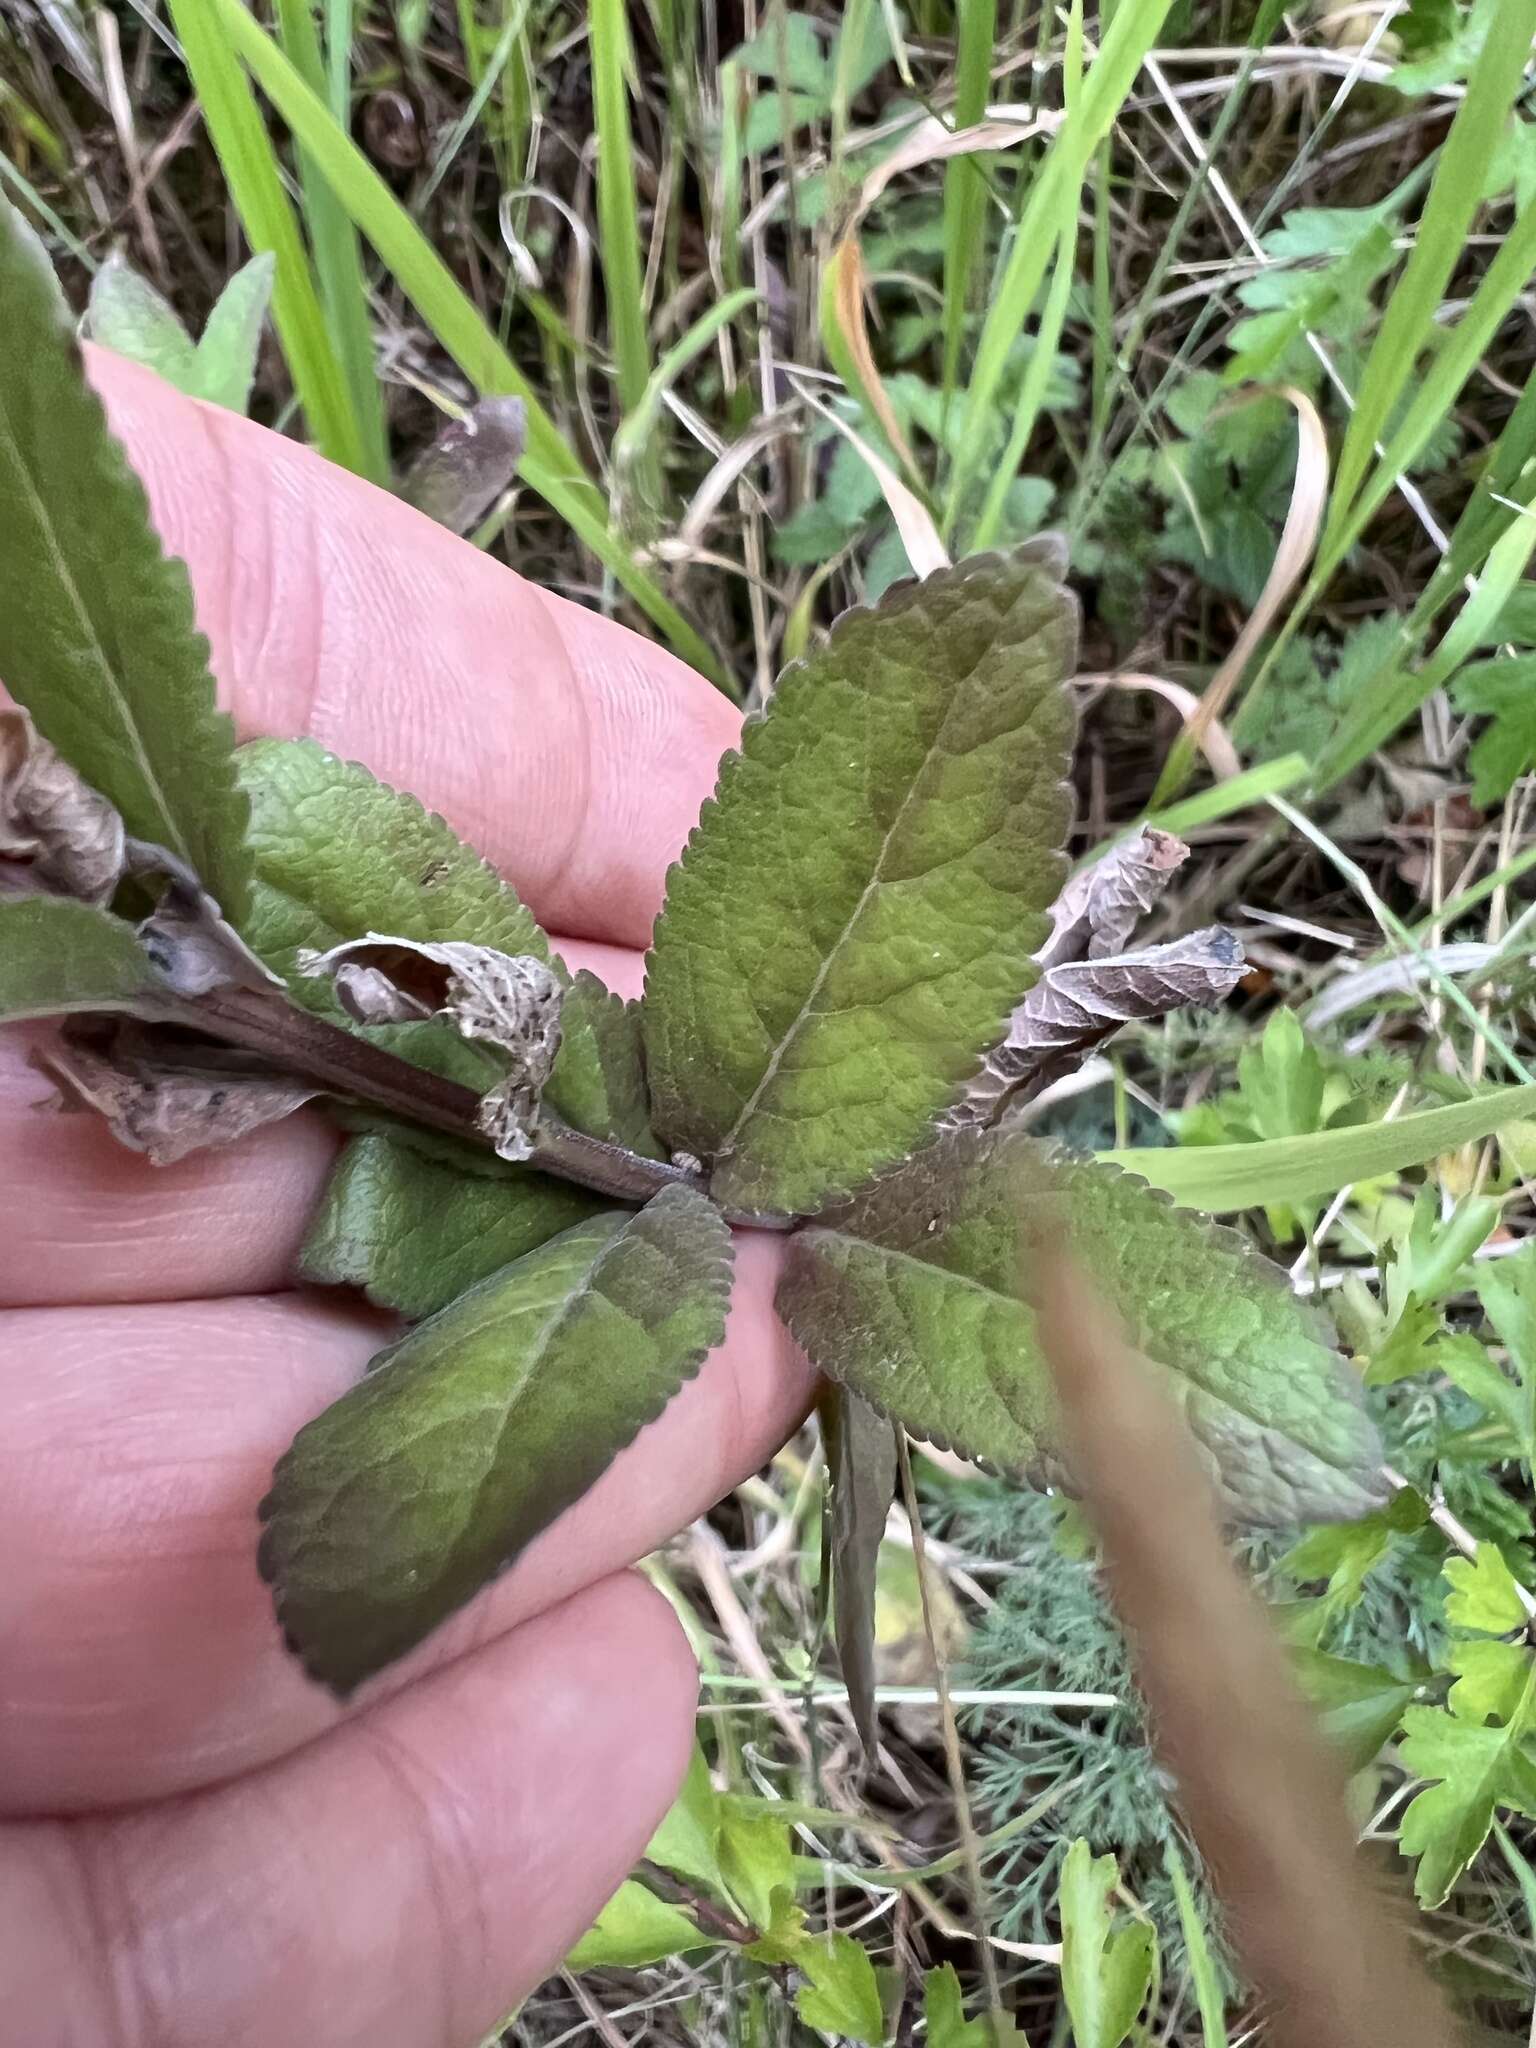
x,y
460,476
164,1100
58,836
369,996
1262,1788
1101,906
510,1000
1076,1004
186,935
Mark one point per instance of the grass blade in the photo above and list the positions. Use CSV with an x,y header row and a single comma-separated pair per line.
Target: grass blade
x,y
1397,690
617,217
1436,393
965,191
1262,1788
1032,391
1202,1971
1454,197
338,262
550,465
1221,1178
245,151
1050,209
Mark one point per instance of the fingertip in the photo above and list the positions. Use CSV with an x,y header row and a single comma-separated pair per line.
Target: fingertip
x,y
572,752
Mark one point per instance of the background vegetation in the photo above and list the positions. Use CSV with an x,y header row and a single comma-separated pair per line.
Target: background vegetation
x,y
1239,298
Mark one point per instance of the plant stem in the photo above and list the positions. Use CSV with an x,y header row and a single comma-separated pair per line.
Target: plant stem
x,y
350,1066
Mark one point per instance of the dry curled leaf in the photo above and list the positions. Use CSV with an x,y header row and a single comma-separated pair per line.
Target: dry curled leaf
x,y
1263,1791
1074,1005
1101,906
460,476
187,936
165,1098
58,836
369,996
510,1000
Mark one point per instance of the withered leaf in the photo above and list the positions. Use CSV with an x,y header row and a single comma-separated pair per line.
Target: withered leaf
x,y
1078,1002
861,1484
192,944
1098,910
164,1100
512,1001
460,476
58,836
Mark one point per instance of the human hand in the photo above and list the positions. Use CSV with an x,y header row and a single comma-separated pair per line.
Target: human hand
x,y
200,1845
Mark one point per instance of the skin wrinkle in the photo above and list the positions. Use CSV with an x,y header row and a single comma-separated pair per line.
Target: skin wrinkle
x,y
184,1646
138,1883
437,1886
139,1660
608,733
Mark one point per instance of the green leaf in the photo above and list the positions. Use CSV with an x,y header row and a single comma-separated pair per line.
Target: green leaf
x,y
1346,1553
97,635
413,1233
598,1083
1504,692
948,2027
1484,1594
756,1859
1476,1772
1105,1976
56,956
789,51
842,1994
861,1484
1282,1079
688,1839
634,1929
1490,1678
910,1294
474,1431
340,854
1359,1705
127,314
853,918
225,366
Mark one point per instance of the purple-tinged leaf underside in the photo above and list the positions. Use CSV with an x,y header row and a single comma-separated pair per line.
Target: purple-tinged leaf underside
x,y
912,1294
474,1431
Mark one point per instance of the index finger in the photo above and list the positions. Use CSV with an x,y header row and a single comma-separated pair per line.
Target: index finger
x,y
569,751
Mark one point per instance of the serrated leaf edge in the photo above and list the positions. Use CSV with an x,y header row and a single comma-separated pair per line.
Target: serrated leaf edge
x,y
250,752
1221,1236
898,597
713,1275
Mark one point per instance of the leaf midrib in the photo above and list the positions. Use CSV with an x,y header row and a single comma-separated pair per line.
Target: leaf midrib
x,y
548,1332
806,1012
167,821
